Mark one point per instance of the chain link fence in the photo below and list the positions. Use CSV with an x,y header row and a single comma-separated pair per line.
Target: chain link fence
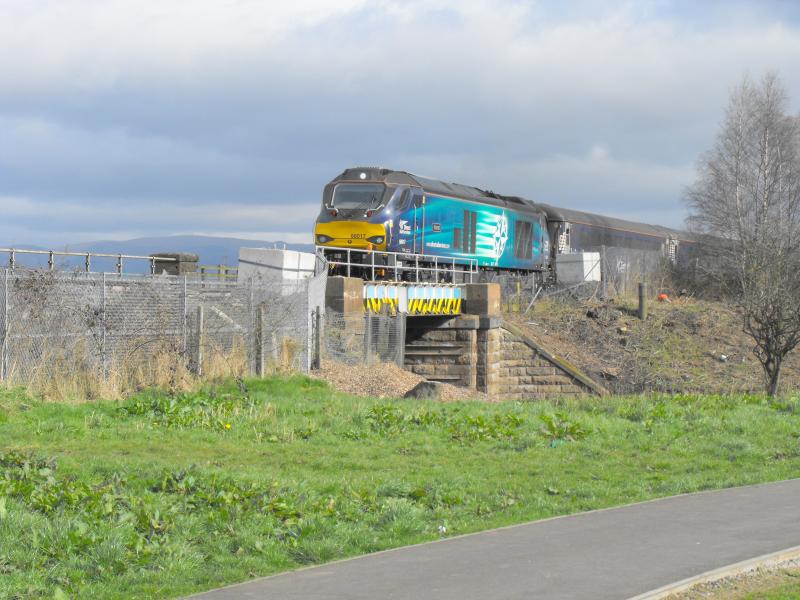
x,y
621,271
361,339
87,334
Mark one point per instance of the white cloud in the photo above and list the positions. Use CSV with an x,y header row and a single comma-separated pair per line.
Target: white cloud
x,y
91,43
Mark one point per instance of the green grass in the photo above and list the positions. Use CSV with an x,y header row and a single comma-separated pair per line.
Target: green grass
x,y
159,496
786,591
773,584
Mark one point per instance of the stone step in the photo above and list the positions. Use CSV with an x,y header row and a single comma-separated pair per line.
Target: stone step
x,y
423,344
434,352
443,378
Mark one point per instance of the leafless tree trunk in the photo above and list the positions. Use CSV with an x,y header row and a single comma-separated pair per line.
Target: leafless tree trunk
x,y
747,201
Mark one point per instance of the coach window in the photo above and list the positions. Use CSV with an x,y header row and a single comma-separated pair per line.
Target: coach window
x,y
523,239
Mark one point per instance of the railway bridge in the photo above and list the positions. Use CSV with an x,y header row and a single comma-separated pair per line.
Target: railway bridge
x,y
456,334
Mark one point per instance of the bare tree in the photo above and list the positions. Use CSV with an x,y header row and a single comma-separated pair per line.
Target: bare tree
x,y
747,201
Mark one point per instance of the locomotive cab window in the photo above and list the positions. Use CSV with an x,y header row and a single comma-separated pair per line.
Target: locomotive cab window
x,y
523,239
357,196
404,203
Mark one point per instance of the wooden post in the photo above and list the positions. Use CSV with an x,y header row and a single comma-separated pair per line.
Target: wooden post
x,y
197,358
643,301
261,317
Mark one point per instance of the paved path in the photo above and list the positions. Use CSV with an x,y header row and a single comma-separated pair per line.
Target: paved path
x,y
614,554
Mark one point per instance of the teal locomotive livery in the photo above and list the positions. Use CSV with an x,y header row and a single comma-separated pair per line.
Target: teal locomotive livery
x,y
428,221
397,212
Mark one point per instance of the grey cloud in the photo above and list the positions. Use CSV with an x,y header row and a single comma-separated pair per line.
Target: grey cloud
x,y
261,109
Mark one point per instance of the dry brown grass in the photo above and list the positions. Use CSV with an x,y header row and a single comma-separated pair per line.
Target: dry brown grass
x,y
686,345
72,375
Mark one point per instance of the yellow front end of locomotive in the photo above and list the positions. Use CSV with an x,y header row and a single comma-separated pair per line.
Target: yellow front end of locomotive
x,y
351,234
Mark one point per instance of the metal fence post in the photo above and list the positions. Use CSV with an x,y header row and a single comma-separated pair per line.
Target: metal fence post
x,y
603,272
4,349
103,357
185,315
401,338
368,338
197,359
316,362
261,317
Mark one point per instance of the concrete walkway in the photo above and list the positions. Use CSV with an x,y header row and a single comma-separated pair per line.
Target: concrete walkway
x,y
615,553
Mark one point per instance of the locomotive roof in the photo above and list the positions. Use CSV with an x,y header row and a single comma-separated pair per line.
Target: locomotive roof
x,y
436,186
553,213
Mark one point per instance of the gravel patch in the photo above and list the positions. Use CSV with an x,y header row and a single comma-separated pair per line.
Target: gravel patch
x,y
384,380
742,584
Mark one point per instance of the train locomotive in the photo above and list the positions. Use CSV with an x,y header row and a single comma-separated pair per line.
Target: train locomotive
x,y
400,217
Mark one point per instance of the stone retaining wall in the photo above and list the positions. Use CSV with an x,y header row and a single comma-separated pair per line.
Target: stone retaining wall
x,y
523,373
481,354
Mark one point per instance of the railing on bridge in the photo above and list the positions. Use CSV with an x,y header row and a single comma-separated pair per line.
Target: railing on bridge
x,y
424,267
87,256
217,272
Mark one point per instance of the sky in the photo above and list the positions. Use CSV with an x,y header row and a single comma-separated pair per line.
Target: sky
x,y
129,118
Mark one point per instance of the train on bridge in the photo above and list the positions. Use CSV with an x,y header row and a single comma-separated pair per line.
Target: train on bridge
x,y
448,230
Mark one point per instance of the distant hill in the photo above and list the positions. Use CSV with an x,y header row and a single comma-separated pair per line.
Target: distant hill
x,y
211,250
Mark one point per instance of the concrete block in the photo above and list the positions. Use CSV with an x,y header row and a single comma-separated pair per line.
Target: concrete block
x,y
578,267
482,299
275,265
176,263
345,295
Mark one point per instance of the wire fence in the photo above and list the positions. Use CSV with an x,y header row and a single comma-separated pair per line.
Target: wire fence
x,y
621,271
361,339
90,333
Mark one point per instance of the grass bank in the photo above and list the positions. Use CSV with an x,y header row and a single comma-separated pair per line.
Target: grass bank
x,y
158,496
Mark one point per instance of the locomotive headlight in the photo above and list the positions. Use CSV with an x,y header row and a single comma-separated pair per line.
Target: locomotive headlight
x,y
376,239
324,239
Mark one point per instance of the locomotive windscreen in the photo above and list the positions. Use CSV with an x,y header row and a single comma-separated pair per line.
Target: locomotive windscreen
x,y
357,196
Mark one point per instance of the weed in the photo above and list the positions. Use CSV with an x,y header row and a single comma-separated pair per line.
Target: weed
x,y
558,427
